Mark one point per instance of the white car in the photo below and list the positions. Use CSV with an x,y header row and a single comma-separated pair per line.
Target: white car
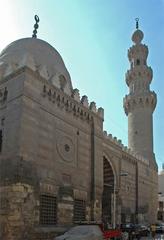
x,y
82,232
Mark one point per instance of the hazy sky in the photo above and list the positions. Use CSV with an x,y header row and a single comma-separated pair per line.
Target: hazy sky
x,y
92,37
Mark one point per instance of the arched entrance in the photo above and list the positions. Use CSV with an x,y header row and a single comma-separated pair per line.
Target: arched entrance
x,y
108,200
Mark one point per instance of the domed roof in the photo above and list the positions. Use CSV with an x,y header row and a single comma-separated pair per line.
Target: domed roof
x,y
41,57
137,36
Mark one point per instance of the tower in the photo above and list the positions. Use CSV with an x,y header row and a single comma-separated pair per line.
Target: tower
x,y
140,103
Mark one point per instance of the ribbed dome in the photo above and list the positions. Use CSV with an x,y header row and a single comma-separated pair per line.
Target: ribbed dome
x,y
42,57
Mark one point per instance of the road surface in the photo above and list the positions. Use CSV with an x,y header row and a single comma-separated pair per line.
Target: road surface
x,y
157,237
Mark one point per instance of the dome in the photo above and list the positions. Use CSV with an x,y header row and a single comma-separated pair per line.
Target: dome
x,y
41,57
137,36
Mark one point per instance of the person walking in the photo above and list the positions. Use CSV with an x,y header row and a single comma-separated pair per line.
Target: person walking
x,y
153,231
125,236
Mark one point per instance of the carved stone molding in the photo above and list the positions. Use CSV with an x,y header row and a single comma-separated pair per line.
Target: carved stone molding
x,y
65,146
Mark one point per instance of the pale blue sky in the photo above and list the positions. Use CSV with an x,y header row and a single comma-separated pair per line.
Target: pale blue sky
x,y
92,37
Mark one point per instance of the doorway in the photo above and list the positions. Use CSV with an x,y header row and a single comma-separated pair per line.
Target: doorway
x,y
108,193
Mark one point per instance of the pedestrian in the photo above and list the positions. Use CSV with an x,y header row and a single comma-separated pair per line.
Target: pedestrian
x,y
153,231
125,236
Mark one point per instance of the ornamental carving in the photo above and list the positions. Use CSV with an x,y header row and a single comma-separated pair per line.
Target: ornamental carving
x,y
65,147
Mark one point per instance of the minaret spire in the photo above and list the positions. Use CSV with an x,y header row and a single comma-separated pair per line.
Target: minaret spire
x,y
137,23
140,103
36,26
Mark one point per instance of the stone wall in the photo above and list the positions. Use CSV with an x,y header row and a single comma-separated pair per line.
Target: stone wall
x,y
59,151
19,211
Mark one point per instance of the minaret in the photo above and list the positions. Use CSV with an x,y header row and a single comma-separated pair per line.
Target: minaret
x,y
140,103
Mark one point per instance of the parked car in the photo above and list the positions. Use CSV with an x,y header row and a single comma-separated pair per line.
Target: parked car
x,y
144,230
90,231
82,232
159,227
131,229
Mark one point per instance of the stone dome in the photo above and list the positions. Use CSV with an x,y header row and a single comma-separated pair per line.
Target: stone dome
x,y
39,56
137,36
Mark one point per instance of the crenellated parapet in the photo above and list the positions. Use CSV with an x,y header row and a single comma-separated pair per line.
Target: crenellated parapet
x,y
140,101
125,150
113,139
76,94
84,101
79,107
136,157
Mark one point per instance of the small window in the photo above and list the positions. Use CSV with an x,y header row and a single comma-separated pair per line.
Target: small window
x,y
1,140
79,210
161,205
48,210
138,62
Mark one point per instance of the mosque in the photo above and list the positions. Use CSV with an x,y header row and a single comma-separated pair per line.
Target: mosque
x,y
58,166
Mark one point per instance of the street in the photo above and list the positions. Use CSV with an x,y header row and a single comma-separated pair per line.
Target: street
x,y
157,237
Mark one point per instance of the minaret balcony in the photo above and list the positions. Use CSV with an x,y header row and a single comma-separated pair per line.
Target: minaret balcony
x,y
136,51
148,100
140,72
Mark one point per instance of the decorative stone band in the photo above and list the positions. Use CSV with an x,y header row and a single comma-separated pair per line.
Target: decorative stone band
x,y
136,101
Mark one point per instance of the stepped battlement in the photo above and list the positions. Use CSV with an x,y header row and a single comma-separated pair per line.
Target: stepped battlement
x,y
124,148
79,106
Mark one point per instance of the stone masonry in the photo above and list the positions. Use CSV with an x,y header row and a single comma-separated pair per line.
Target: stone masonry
x,y
57,165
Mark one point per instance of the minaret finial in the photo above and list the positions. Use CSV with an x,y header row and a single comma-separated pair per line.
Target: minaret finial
x,y
137,25
35,26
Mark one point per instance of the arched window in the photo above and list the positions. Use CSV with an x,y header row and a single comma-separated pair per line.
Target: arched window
x,y
138,62
108,191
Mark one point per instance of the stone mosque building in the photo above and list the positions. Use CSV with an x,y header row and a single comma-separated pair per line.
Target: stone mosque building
x,y
58,166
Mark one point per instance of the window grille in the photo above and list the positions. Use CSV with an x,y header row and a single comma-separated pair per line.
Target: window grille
x,y
48,210
79,210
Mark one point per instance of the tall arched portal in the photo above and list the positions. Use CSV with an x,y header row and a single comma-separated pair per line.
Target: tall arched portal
x,y
108,200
